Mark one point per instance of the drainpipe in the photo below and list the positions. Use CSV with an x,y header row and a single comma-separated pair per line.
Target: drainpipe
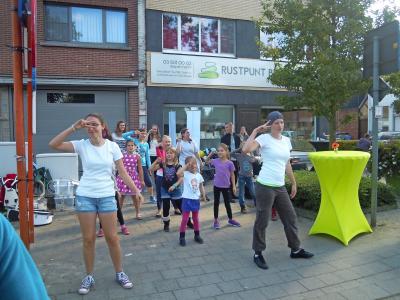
x,y
142,63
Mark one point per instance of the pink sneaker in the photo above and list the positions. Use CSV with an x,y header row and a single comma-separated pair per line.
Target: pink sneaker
x,y
125,230
100,233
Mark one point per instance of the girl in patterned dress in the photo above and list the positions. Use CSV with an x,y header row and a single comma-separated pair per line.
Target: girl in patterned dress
x,y
133,166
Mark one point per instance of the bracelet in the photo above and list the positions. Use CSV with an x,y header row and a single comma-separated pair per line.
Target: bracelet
x,y
73,128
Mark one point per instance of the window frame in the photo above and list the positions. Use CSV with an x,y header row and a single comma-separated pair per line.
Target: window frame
x,y
103,25
199,53
67,93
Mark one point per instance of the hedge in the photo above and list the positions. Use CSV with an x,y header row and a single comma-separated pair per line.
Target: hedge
x,y
389,157
309,192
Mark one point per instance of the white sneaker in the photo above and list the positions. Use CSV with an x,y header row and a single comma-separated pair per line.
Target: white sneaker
x,y
86,284
123,280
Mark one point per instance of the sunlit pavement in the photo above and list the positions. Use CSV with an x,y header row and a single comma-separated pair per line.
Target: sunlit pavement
x,y
222,267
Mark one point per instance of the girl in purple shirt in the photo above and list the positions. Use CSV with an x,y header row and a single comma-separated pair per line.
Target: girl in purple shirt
x,y
224,177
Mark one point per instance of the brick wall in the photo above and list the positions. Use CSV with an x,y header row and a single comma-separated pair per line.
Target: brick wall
x,y
133,109
5,37
234,9
71,61
353,127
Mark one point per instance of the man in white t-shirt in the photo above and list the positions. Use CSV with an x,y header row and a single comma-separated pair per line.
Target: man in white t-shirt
x,y
270,188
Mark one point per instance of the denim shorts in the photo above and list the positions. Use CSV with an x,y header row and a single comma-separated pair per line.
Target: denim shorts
x,y
175,194
146,177
97,205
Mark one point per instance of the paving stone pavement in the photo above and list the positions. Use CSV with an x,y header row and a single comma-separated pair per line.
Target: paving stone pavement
x,y
222,268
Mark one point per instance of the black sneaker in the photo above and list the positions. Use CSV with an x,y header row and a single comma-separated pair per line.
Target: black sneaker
x,y
190,224
182,242
198,239
260,261
243,210
301,254
166,227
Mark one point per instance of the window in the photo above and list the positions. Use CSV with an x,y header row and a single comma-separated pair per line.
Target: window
x,y
5,116
195,35
84,25
213,118
57,23
70,98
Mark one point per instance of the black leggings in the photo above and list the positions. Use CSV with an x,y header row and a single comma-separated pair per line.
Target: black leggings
x,y
119,212
159,180
176,203
227,201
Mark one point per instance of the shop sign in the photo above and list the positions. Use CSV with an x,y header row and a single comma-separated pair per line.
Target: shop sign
x,y
205,70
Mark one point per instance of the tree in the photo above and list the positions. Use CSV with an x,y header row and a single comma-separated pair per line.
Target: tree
x,y
322,41
394,82
386,15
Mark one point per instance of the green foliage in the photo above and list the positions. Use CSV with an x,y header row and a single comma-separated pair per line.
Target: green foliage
x,y
394,82
394,181
389,157
348,145
309,192
323,46
396,105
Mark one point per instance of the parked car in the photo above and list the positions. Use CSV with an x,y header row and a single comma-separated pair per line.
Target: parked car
x,y
343,136
339,136
300,161
389,135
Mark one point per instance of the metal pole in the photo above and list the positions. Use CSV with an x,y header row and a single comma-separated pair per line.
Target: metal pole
x,y
142,63
31,44
19,123
375,95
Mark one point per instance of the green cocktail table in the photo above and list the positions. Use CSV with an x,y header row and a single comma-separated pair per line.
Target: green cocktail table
x,y
339,174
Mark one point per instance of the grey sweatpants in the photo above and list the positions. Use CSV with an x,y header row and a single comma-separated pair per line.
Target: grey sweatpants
x,y
267,197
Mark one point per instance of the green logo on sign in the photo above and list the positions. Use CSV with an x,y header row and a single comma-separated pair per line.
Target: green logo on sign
x,y
209,72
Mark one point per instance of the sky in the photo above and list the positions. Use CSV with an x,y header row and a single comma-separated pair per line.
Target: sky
x,y
379,4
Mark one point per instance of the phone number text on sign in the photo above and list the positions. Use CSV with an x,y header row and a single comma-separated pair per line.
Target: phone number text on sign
x,y
177,62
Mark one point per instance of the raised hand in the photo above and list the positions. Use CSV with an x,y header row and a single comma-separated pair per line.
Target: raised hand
x,y
263,128
81,124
